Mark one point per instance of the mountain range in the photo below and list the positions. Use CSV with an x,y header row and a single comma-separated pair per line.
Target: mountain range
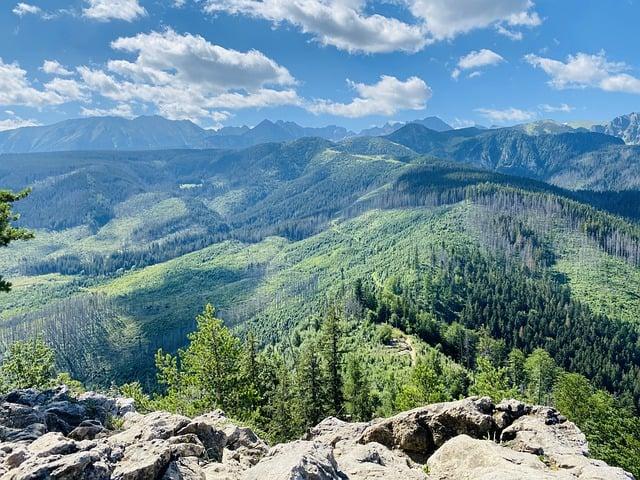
x,y
156,133
463,244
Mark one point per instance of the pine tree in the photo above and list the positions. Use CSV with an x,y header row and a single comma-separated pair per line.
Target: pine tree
x,y
310,386
515,370
208,373
9,233
491,381
357,390
331,342
27,364
541,371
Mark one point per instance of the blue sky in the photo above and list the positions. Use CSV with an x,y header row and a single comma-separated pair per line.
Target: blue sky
x,y
355,63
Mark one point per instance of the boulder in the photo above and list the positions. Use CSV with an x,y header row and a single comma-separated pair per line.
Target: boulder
x,y
206,429
79,465
16,415
184,469
88,430
546,433
28,434
374,461
332,430
143,461
156,425
421,431
297,460
52,443
465,458
243,446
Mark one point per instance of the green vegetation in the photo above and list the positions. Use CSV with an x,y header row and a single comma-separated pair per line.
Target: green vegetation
x,y
354,280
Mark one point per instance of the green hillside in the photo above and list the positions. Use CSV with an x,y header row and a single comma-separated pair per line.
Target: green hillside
x,y
274,248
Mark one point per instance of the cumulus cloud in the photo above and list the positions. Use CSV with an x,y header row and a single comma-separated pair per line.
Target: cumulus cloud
x,y
185,76
477,59
386,97
106,10
16,89
563,107
583,70
121,110
446,19
339,23
53,67
22,9
15,121
352,25
508,115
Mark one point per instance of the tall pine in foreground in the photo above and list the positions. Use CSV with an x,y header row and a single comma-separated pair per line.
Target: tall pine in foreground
x,y
331,342
9,233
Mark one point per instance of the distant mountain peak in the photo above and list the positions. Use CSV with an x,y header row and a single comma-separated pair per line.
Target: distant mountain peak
x,y
626,127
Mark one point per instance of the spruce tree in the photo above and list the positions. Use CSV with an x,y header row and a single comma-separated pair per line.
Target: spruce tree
x,y
357,390
331,342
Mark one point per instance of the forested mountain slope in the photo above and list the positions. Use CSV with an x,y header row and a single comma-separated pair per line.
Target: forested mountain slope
x,y
575,160
270,248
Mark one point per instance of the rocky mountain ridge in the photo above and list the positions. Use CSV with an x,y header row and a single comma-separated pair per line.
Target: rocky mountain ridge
x,y
56,435
158,133
626,127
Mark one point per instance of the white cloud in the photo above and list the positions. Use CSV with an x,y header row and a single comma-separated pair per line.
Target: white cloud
x,y
477,59
22,9
105,10
563,107
446,19
120,110
354,26
185,76
53,67
15,89
508,115
67,88
511,34
386,97
583,70
339,23
16,122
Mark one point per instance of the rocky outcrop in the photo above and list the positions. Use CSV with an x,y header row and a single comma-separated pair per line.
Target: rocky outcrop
x,y
54,435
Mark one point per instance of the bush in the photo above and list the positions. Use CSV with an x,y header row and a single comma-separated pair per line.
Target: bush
x,y
28,364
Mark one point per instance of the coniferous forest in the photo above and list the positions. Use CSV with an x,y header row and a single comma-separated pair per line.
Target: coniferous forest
x,y
344,287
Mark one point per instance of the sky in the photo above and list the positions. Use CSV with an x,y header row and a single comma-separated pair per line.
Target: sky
x,y
354,63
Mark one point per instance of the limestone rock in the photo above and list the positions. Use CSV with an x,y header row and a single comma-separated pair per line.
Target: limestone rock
x,y
156,425
184,469
88,430
374,461
143,461
421,431
465,458
206,429
297,460
243,446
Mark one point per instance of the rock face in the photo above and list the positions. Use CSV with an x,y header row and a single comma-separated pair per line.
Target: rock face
x,y
53,435
626,127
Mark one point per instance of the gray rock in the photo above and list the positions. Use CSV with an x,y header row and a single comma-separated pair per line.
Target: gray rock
x,y
52,443
465,458
184,469
374,461
297,460
421,431
143,461
156,425
15,415
243,446
206,429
